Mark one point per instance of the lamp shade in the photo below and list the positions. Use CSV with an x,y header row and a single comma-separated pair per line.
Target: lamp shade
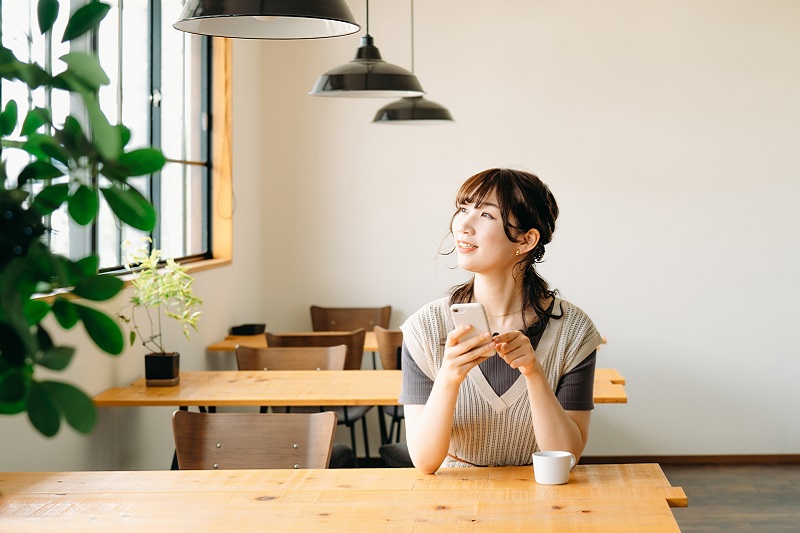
x,y
267,19
368,75
412,110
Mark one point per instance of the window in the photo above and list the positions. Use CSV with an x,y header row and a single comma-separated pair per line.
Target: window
x,y
159,88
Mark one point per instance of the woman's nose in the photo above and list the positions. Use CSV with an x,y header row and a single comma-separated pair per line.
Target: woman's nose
x,y
463,224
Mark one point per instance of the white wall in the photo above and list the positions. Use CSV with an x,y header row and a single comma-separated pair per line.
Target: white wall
x,y
669,134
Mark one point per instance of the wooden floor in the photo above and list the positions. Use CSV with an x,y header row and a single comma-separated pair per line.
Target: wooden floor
x,y
733,498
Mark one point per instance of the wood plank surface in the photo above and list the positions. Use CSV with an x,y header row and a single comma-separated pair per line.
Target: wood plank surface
x,y
298,388
615,498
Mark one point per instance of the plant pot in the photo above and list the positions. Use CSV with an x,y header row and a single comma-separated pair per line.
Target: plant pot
x,y
162,369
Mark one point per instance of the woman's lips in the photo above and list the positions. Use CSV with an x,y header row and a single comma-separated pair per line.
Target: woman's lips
x,y
465,247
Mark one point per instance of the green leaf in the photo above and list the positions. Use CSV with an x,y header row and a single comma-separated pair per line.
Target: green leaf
x,y
99,288
45,147
35,119
83,205
132,337
74,140
45,341
87,69
103,330
131,207
65,313
38,170
14,385
31,74
86,266
51,197
75,405
47,13
104,136
42,410
12,345
8,118
57,358
35,311
84,19
124,134
142,161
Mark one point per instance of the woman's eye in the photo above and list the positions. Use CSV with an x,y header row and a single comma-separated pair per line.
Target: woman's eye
x,y
462,209
487,214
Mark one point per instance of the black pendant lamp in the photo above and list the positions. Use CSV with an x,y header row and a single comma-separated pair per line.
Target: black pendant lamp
x,y
368,75
412,110
267,19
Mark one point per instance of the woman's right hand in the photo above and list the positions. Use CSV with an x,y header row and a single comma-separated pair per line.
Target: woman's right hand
x,y
461,357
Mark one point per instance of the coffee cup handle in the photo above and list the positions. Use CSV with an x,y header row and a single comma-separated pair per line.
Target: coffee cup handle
x,y
572,461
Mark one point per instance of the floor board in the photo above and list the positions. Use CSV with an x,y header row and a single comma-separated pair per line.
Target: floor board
x,y
761,498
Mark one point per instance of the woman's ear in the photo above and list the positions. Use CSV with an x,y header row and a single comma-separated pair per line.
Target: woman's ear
x,y
529,240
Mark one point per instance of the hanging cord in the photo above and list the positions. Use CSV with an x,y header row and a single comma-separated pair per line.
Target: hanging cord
x,y
412,36
367,18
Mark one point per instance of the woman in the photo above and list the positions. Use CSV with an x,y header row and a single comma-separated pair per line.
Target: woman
x,y
496,400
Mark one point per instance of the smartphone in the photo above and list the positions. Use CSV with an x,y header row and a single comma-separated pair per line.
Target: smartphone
x,y
473,314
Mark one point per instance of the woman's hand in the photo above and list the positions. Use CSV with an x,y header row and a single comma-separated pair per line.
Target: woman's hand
x,y
461,357
516,350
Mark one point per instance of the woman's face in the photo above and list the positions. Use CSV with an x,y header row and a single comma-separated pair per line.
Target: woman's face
x,y
481,242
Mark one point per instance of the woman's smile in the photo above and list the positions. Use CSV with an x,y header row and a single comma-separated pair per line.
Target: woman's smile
x,y
465,247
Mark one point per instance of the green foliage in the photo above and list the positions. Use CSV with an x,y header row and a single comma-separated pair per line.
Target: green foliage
x,y
65,160
167,289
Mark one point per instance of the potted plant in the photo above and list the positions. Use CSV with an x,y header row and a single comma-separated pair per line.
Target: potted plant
x,y
158,292
71,162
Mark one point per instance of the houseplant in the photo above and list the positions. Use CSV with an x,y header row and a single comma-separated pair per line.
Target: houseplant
x,y
158,292
70,164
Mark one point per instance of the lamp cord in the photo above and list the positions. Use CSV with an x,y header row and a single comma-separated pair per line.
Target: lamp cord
x,y
412,36
368,18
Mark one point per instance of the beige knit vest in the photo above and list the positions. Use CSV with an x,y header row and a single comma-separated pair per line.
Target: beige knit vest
x,y
490,429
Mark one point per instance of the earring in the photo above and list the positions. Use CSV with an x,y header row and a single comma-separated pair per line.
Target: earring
x,y
517,252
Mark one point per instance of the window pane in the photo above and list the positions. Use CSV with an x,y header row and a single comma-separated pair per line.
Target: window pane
x,y
126,40
182,104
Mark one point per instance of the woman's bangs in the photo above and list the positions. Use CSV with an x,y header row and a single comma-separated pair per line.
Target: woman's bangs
x,y
477,188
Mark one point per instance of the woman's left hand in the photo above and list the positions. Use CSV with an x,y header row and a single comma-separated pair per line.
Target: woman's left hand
x,y
516,350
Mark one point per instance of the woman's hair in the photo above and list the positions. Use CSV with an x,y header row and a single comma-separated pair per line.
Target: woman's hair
x,y
528,202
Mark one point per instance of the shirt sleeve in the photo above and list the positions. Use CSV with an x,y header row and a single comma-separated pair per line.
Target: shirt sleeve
x,y
575,390
416,385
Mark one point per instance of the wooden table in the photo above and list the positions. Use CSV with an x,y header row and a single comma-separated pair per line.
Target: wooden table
x,y
228,344
297,387
598,498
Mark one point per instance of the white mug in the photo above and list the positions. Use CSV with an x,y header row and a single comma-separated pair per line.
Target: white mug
x,y
552,467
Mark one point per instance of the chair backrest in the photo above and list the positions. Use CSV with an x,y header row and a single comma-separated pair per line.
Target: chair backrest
x,y
305,358
225,441
354,340
390,342
349,318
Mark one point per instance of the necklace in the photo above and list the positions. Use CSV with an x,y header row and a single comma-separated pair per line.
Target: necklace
x,y
507,314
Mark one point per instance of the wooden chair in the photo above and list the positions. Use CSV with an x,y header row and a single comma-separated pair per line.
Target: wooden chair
x,y
314,358
206,441
390,345
281,358
350,318
354,340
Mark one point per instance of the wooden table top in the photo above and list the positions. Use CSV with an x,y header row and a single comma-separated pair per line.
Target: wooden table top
x,y
612,498
296,387
228,344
